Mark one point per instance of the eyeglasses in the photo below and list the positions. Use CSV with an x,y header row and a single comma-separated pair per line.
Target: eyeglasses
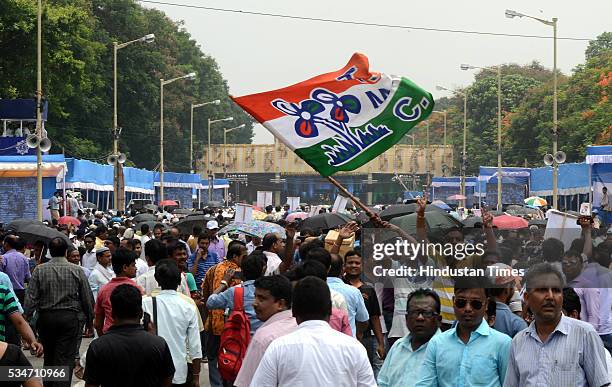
x,y
424,313
475,304
569,263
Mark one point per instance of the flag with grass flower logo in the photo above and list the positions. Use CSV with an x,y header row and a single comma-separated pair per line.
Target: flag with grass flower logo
x,y
341,120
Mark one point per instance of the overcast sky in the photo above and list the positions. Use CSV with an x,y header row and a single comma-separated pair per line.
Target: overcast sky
x,y
260,53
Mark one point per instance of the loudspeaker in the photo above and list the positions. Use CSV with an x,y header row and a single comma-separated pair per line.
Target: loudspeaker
x,y
560,157
32,141
548,159
112,159
45,145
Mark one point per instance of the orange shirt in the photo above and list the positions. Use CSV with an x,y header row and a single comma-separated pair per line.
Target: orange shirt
x,y
215,319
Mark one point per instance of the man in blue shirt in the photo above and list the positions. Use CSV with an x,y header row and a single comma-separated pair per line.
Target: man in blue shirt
x,y
201,260
357,311
402,367
471,353
506,321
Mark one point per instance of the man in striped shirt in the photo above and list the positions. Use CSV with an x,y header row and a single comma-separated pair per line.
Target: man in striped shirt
x,y
9,314
554,350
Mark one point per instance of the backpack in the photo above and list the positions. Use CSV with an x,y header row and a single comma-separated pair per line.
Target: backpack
x,y
234,338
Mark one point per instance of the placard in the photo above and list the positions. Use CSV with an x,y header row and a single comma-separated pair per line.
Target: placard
x,y
264,198
244,213
294,203
585,209
563,227
314,210
340,203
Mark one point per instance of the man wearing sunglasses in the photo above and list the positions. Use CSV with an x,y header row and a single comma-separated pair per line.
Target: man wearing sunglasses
x,y
554,350
402,367
471,353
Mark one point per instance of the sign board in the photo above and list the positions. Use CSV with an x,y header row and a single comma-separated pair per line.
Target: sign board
x,y
244,213
264,198
340,203
294,203
563,227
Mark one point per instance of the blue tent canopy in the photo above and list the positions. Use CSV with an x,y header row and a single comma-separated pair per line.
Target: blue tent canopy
x,y
573,179
85,174
138,180
217,184
453,181
599,154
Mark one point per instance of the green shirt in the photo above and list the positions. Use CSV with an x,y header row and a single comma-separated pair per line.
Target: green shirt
x,y
191,282
8,306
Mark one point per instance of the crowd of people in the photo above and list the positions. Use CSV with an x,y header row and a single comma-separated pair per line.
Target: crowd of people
x,y
288,308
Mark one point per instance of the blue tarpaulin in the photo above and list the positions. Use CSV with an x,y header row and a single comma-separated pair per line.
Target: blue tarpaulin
x,y
138,180
599,154
179,180
21,109
84,174
573,179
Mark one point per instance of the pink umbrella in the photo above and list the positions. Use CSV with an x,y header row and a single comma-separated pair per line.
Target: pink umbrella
x,y
508,222
456,197
296,215
69,220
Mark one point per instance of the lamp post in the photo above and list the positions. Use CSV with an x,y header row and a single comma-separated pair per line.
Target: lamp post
x,y
552,23
194,106
463,153
499,136
444,166
119,202
211,176
162,83
413,166
225,132
39,205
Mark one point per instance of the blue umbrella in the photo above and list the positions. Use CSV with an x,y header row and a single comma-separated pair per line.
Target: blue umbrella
x,y
441,204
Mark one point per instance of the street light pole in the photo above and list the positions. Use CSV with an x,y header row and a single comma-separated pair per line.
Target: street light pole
x,y
117,196
162,83
552,23
39,205
225,132
194,106
211,177
444,166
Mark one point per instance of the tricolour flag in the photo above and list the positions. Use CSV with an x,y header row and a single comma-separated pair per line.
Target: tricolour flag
x,y
341,120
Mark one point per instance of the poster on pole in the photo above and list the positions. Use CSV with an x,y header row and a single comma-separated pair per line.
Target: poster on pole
x,y
294,203
264,198
244,213
563,227
340,203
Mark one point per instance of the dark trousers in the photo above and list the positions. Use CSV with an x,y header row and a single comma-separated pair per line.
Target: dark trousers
x,y
11,335
59,332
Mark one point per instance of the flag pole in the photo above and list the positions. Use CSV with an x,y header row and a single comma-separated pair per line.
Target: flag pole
x,y
349,195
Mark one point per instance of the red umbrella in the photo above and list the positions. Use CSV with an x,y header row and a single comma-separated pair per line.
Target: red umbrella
x,y
165,203
69,220
508,222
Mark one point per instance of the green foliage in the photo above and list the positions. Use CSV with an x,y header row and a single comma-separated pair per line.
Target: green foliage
x,y
78,38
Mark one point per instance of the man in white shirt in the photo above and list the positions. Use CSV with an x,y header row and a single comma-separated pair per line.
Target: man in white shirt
x,y
101,273
273,245
176,322
89,259
144,230
314,354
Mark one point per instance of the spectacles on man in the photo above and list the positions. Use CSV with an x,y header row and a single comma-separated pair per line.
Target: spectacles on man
x,y
424,313
475,304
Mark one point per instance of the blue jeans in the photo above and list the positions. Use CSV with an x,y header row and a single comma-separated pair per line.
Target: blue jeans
x,y
370,343
212,349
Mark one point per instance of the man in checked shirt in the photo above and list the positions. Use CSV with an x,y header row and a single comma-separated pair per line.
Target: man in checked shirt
x,y
58,292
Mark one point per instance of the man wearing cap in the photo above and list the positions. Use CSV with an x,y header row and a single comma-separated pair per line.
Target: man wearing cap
x,y
217,245
101,275
505,320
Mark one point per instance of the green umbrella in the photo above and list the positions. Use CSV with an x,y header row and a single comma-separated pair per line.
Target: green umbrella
x,y
437,222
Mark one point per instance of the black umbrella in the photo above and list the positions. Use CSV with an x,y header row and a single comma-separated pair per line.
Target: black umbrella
x,y
18,224
362,217
538,222
473,221
144,218
325,221
396,210
150,207
214,204
36,232
187,224
182,211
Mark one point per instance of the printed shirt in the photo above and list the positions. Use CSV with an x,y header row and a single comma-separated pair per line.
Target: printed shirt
x,y
215,319
280,324
573,355
402,366
8,306
449,362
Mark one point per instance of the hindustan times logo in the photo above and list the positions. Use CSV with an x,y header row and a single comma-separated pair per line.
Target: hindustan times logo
x,y
403,248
